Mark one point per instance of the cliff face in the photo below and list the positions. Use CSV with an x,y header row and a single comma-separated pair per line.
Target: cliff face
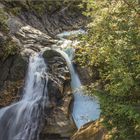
x,y
27,27
50,17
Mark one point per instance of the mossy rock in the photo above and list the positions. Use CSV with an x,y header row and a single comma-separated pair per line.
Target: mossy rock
x,y
8,47
3,21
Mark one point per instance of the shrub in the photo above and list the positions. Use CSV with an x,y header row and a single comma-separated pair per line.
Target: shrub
x,y
112,46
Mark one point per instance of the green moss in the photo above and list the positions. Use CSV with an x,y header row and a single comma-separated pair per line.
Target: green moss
x,y
15,7
3,21
16,10
9,47
38,8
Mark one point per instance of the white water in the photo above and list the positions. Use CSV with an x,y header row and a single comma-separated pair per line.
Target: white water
x,y
23,120
85,108
70,33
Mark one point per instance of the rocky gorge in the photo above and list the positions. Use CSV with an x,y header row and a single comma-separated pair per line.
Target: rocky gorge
x,y
25,33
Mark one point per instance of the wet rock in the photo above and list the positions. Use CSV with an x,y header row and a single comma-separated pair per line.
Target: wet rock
x,y
84,74
59,120
55,22
4,70
18,68
13,68
32,34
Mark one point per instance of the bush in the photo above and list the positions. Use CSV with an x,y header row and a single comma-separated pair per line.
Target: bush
x,y
9,47
112,46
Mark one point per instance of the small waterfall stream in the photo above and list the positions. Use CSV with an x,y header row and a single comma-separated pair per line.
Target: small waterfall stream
x,y
85,108
22,120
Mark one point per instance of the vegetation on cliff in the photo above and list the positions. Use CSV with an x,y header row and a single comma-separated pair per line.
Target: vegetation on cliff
x,y
13,9
39,7
111,49
7,45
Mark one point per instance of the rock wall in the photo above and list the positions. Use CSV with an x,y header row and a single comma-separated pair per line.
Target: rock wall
x,y
28,31
59,123
32,33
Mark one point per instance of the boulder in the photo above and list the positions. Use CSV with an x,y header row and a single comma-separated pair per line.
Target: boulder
x,y
33,33
59,121
84,74
32,39
91,131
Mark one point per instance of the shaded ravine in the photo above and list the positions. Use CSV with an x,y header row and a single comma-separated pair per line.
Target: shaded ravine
x,y
23,120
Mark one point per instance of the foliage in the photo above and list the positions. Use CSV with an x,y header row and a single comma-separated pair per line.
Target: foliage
x,y
8,47
112,49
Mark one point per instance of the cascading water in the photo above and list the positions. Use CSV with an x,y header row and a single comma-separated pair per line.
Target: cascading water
x,y
85,108
22,120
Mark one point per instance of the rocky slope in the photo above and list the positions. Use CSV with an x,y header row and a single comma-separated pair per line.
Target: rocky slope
x,y
23,32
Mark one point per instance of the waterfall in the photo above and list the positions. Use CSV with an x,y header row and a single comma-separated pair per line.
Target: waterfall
x,y
23,120
85,108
